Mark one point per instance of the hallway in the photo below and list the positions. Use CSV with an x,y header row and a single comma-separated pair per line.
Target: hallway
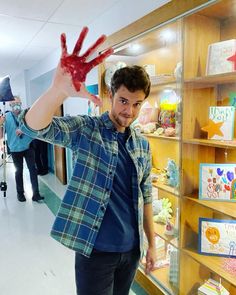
x,y
31,262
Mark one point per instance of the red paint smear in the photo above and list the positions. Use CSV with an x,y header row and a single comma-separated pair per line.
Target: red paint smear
x,y
233,59
94,46
76,65
78,68
80,41
63,44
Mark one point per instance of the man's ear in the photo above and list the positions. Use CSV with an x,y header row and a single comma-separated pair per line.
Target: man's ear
x,y
110,94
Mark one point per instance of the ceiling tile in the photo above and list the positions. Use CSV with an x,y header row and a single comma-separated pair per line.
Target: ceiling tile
x,y
50,35
17,31
35,9
36,53
81,12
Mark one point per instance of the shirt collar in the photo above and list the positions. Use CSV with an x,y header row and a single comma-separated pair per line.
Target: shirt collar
x,y
107,121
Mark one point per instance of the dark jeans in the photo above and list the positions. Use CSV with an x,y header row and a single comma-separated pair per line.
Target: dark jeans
x,y
41,155
18,158
106,273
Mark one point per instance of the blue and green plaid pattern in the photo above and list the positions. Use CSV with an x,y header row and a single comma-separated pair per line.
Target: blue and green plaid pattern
x,y
93,141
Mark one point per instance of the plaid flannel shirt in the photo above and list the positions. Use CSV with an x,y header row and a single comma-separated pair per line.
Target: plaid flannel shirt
x,y
93,141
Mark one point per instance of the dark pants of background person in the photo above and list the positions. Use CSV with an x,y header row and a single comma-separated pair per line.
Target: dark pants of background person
x,y
18,158
106,273
41,156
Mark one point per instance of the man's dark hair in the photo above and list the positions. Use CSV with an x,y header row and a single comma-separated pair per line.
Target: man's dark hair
x,y
133,78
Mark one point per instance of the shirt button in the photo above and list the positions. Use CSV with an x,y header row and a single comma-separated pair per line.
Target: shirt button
x,y
96,227
103,208
110,172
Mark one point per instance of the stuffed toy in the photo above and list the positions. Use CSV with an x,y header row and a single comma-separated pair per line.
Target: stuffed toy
x,y
145,128
162,210
148,114
172,175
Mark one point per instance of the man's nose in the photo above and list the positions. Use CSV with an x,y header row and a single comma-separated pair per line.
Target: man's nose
x,y
129,109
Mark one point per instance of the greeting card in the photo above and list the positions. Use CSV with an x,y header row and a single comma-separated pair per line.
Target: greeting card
x,y
212,287
217,237
223,117
221,57
217,182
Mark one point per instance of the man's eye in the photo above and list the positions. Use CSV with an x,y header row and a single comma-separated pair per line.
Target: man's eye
x,y
123,101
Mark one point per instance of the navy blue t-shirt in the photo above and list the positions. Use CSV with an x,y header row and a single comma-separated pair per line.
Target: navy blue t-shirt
x,y
119,228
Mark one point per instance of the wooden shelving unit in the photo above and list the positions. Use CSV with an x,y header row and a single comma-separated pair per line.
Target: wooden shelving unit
x,y
211,80
199,93
226,208
162,137
166,188
213,143
160,231
213,263
215,21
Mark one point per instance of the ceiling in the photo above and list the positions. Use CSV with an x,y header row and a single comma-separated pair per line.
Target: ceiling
x,y
30,30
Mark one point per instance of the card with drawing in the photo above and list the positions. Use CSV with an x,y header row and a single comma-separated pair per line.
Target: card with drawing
x,y
217,182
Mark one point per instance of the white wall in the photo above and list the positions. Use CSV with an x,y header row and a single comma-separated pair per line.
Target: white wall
x,y
19,87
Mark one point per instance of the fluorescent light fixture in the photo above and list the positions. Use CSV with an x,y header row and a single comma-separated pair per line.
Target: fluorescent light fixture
x,y
168,35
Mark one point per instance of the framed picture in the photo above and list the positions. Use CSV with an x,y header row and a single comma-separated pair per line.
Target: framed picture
x,y
217,237
217,182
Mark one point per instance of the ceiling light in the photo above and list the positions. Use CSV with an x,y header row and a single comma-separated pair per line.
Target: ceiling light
x,y
134,47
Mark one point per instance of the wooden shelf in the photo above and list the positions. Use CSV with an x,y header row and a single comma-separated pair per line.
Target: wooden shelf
x,y
160,231
214,263
211,80
162,80
227,208
167,188
147,283
160,276
153,135
231,144
171,84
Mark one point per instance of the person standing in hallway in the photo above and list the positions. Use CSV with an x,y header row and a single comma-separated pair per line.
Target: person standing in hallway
x,y
108,201
41,156
20,149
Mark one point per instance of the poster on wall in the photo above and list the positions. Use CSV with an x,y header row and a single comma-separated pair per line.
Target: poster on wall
x,y
217,182
217,237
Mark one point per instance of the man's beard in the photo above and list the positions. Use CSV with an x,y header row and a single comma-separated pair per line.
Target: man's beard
x,y
120,122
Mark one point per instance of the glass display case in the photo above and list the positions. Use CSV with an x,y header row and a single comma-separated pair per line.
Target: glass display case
x,y
189,121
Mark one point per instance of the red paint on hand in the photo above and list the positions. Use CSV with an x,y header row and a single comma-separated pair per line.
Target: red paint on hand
x,y
76,65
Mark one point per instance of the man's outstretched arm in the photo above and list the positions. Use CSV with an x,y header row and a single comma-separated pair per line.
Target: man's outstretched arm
x,y
69,81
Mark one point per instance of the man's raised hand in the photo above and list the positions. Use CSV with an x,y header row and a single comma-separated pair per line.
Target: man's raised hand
x,y
73,68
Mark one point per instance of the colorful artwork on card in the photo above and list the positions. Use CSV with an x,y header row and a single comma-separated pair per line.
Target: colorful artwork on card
x,y
217,237
217,182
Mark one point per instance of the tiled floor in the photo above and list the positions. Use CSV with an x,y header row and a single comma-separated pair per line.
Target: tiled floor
x,y
31,262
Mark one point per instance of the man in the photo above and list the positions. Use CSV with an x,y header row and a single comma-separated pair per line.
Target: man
x,y
19,146
108,200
